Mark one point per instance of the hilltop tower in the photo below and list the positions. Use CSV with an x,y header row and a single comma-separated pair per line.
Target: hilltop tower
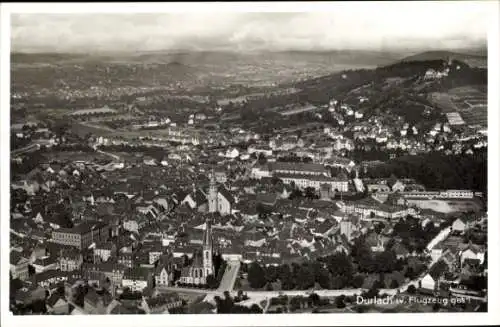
x,y
208,266
212,194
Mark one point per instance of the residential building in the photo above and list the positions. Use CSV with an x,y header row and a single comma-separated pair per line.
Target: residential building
x,y
314,181
18,266
164,272
70,260
103,252
83,235
137,279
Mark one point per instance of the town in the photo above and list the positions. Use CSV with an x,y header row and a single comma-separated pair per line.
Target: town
x,y
194,219
227,183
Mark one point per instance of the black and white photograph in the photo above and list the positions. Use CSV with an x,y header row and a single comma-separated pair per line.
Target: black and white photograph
x,y
258,159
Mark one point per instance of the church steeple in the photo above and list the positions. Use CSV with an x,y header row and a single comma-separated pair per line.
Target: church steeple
x,y
207,234
208,249
212,193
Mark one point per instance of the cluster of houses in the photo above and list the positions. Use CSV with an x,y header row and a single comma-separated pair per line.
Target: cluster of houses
x,y
457,261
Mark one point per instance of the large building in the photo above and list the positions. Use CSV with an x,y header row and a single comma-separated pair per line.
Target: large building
x,y
290,168
303,175
202,265
83,235
369,208
298,168
219,200
305,181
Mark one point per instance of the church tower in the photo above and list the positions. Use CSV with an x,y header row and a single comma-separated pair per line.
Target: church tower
x,y
208,266
212,194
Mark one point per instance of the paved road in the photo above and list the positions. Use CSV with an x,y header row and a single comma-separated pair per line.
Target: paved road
x,y
97,126
230,275
187,290
28,148
268,304
114,156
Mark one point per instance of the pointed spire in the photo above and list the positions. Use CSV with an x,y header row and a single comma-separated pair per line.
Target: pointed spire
x,y
212,176
207,235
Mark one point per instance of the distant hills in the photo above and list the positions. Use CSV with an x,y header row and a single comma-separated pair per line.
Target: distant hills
x,y
476,60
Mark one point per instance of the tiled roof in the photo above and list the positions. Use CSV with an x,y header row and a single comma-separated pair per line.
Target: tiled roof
x,y
136,274
15,257
52,300
291,166
226,194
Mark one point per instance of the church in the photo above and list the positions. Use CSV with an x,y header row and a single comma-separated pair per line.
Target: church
x,y
202,265
215,200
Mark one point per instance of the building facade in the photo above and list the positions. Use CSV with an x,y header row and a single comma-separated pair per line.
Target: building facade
x,y
83,235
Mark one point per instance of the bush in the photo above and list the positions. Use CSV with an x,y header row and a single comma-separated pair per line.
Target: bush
x,y
314,298
394,284
411,289
340,301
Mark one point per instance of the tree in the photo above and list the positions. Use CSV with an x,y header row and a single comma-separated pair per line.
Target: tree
x,y
411,289
310,193
410,273
295,303
372,292
340,301
255,309
256,276
394,283
386,261
271,273
358,281
285,276
15,285
38,306
314,299
340,264
305,277
323,277
212,281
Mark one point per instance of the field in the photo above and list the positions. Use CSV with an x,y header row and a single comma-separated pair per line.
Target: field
x,y
448,206
83,129
469,101
75,156
443,101
479,116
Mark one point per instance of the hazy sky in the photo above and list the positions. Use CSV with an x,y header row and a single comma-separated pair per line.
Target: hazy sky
x,y
425,25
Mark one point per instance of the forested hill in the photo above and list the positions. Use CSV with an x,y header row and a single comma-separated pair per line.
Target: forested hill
x,y
336,85
439,171
474,60
318,91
